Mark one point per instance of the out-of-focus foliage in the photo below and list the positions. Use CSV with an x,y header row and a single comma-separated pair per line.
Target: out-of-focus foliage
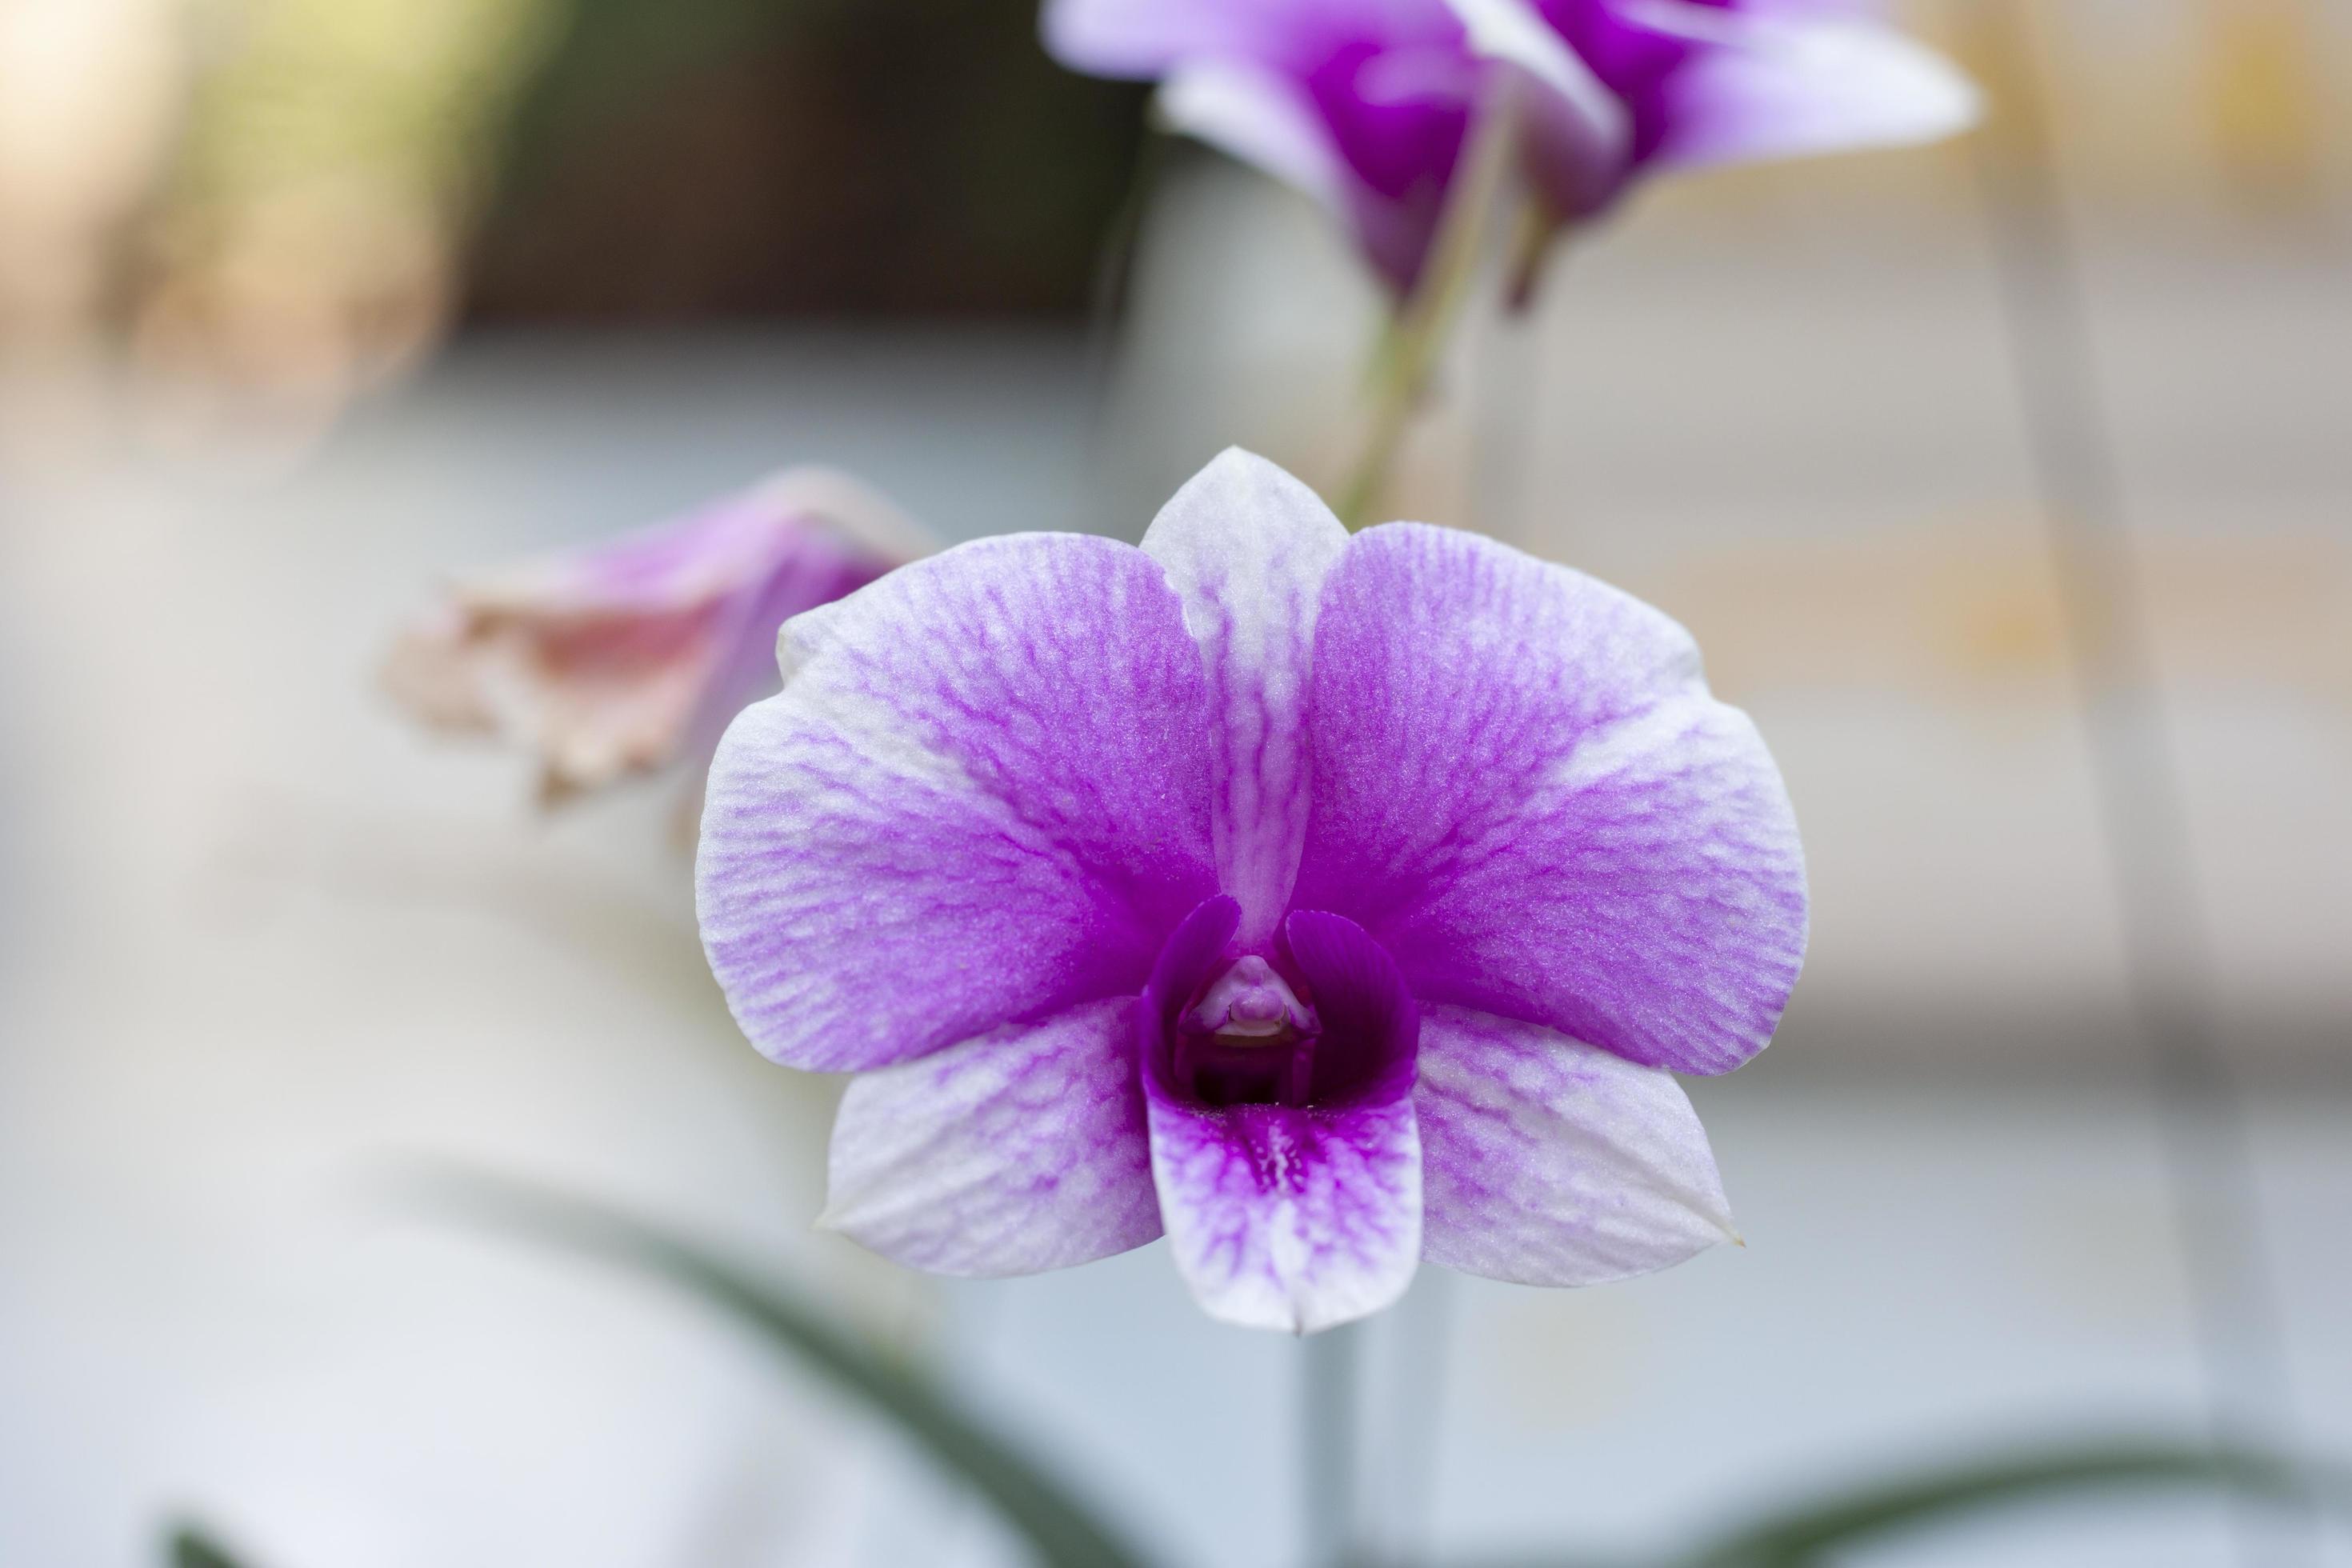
x,y
333,158
1062,1529
191,1546
1067,1533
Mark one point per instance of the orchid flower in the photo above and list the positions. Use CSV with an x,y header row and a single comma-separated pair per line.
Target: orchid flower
x,y
630,655
1324,903
1367,105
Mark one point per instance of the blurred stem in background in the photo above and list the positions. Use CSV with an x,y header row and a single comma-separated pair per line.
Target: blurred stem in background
x,y
1330,1420
1409,351
2142,809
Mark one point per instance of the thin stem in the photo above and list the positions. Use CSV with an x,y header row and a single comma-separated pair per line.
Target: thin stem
x,y
1411,1424
2143,806
1409,351
1115,264
1329,1407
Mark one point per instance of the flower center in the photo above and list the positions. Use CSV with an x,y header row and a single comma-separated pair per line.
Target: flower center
x,y
1246,1039
1321,1021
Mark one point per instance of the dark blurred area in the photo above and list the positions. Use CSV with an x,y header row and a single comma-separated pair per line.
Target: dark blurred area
x,y
760,158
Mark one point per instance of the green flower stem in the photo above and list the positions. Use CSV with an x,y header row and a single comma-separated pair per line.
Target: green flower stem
x,y
1417,335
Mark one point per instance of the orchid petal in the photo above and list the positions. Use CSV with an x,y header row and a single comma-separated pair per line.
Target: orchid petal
x,y
1780,85
1145,38
631,654
1263,117
1295,1217
982,797
1515,33
1524,791
1289,1217
1548,1161
1247,547
1021,1150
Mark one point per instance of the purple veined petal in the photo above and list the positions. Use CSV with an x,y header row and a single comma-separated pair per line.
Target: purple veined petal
x,y
1779,83
820,572
982,797
1247,547
1288,1216
1018,1151
1548,1161
1524,791
1263,117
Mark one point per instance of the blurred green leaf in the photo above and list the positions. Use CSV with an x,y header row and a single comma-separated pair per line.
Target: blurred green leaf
x,y
1802,1534
1065,1532
191,1546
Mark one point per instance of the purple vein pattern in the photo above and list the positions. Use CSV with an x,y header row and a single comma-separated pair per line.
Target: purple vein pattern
x,y
1498,863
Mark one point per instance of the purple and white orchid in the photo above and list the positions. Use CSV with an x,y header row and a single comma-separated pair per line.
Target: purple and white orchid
x,y
1326,903
1366,105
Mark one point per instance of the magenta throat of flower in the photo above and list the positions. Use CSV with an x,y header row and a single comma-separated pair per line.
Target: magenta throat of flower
x,y
1321,1020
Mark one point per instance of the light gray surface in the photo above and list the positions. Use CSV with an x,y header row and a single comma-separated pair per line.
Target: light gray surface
x,y
271,940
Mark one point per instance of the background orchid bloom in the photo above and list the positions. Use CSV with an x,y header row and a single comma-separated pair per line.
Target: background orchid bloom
x,y
625,657
1366,105
1326,903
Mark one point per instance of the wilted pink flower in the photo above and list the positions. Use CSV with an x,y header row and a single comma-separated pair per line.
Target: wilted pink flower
x,y
624,657
1326,903
1366,104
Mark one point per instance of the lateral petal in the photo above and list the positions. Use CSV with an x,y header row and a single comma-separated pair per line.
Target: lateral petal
x,y
982,797
1018,1151
1548,1161
1524,791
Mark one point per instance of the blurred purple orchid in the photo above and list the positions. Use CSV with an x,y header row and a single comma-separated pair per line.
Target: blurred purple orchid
x,y
1326,903
1367,105
629,656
